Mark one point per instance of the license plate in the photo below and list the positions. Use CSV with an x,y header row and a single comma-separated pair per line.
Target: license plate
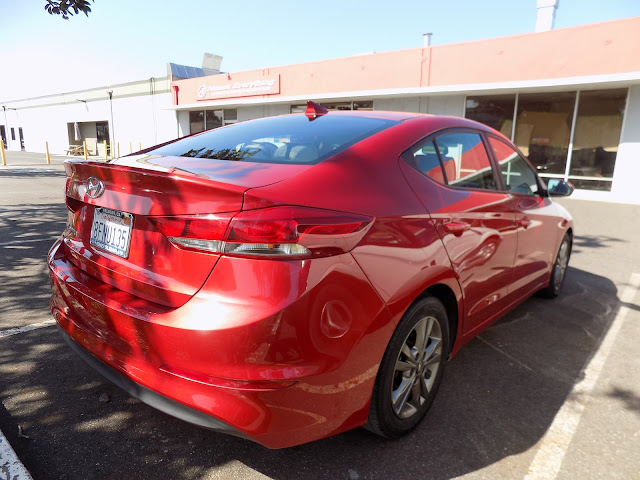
x,y
111,231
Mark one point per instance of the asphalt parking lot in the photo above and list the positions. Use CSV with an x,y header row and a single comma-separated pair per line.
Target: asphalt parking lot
x,y
552,390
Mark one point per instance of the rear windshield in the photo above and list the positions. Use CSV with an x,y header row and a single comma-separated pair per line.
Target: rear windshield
x,y
290,139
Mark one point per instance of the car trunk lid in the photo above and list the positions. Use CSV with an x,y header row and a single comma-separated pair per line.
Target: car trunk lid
x,y
135,191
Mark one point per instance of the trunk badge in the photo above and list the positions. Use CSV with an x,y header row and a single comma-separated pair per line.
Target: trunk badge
x,y
95,187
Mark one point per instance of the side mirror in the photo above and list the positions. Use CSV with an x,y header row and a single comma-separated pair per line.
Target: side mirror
x,y
559,188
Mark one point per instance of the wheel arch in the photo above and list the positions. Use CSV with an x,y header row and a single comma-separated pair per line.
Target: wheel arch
x,y
570,232
447,296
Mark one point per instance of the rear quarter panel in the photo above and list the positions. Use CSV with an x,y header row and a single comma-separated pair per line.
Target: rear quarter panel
x,y
402,254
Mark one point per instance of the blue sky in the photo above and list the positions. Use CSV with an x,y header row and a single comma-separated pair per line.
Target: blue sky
x,y
126,40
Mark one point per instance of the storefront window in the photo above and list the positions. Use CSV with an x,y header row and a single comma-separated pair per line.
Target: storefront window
x,y
196,121
586,184
543,129
206,120
493,110
364,105
102,131
595,142
213,119
357,105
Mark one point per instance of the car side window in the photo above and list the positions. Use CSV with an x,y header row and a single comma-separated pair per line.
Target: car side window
x,y
465,160
519,177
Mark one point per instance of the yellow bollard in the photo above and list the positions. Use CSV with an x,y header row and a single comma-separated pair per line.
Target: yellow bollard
x,y
111,150
130,148
46,144
104,142
84,147
118,149
140,146
4,159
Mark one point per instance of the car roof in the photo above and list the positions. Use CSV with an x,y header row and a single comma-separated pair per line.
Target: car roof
x,y
432,122
397,116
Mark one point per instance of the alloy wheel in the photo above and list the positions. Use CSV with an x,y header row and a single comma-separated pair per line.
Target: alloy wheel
x,y
416,367
560,266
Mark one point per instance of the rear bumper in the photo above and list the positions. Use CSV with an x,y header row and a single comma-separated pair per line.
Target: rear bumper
x,y
147,396
281,353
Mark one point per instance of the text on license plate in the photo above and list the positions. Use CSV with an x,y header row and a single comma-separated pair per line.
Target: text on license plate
x,y
111,231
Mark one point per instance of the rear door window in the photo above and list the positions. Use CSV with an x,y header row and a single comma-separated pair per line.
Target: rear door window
x,y
518,176
465,160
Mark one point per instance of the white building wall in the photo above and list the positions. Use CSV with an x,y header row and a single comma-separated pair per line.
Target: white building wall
x,y
279,109
627,168
166,119
183,123
138,118
447,105
260,111
436,105
398,104
252,111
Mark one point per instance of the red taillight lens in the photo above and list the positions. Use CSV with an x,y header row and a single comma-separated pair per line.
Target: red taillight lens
x,y
73,213
205,227
271,232
73,205
295,231
194,232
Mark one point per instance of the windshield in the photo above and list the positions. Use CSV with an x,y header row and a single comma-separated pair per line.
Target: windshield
x,y
292,139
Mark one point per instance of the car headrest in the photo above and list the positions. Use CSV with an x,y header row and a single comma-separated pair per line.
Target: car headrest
x,y
303,153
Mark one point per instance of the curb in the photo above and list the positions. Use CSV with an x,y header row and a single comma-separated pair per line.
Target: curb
x,y
11,467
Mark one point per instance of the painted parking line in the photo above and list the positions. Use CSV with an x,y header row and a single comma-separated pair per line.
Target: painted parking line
x,y
30,240
27,328
10,465
548,460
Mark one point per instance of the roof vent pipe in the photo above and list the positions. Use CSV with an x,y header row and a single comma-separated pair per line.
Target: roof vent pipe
x,y
546,15
427,39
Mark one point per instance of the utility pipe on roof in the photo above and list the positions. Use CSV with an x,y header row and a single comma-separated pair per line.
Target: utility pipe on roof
x,y
546,15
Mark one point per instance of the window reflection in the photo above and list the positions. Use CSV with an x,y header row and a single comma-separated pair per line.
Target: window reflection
x,y
543,129
200,120
465,160
357,105
493,110
598,126
517,174
196,122
214,119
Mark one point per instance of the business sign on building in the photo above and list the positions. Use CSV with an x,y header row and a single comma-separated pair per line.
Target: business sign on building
x,y
228,88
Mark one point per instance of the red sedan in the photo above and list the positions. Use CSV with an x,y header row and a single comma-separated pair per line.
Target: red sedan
x,y
290,278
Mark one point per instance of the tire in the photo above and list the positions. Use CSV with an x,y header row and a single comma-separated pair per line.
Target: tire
x,y
559,271
411,380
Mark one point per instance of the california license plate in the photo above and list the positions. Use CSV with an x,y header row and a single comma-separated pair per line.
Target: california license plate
x,y
111,231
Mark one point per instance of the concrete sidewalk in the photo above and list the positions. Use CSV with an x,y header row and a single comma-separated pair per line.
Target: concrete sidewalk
x,y
31,160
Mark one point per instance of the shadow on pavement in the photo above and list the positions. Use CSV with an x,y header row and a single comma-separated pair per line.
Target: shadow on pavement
x,y
629,399
593,241
26,234
497,399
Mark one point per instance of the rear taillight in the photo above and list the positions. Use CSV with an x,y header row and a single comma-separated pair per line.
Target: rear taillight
x,y
73,213
73,205
195,232
270,232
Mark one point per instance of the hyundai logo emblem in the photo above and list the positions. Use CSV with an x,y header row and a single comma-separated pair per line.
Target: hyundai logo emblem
x,y
95,187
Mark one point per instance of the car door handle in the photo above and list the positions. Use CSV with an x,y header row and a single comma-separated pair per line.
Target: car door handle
x,y
457,228
524,222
